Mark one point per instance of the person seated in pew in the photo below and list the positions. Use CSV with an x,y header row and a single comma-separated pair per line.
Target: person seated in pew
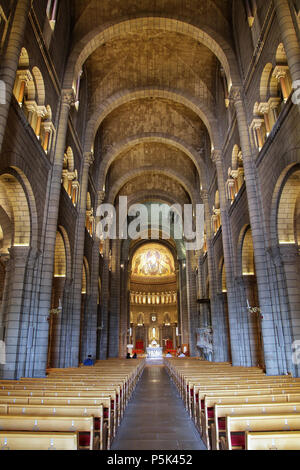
x,y
89,361
134,356
128,356
181,354
168,354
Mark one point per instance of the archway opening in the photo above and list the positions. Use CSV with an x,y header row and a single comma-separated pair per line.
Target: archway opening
x,y
153,300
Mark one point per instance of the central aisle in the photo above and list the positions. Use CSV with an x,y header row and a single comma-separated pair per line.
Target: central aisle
x,y
155,418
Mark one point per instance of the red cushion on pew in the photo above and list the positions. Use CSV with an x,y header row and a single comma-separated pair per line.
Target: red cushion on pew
x,y
210,413
112,404
192,392
97,424
222,424
105,414
197,398
84,439
238,440
202,404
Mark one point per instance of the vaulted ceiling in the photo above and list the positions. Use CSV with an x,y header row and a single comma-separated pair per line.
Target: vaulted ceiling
x,y
153,69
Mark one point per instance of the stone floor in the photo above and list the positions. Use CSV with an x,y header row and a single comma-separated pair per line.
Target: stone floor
x,y
155,418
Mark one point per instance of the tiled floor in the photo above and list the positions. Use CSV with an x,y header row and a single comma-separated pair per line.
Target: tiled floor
x,y
155,418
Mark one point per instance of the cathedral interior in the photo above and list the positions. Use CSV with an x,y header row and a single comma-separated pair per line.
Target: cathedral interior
x,y
176,103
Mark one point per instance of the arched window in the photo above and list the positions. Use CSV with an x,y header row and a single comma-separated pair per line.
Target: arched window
x,y
275,90
70,177
216,217
29,91
235,174
282,74
90,219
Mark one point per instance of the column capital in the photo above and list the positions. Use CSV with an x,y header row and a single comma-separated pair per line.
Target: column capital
x,y
204,194
19,254
216,156
24,75
235,95
289,253
68,97
89,158
264,108
101,196
280,71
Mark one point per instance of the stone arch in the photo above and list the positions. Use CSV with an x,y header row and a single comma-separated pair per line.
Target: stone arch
x,y
131,142
68,254
60,257
16,217
235,157
24,58
217,200
281,57
222,276
88,202
142,171
85,289
95,38
39,86
108,106
70,159
268,83
247,253
284,207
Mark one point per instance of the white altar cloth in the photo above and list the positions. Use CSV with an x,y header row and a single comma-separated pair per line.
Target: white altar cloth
x,y
154,352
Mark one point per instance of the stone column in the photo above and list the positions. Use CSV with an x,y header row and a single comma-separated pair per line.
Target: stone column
x,y
125,302
105,284
184,319
290,39
291,264
14,282
10,60
28,317
49,236
217,317
239,351
272,327
74,340
191,302
89,341
114,317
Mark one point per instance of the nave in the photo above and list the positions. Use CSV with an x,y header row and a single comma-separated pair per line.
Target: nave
x,y
134,405
155,418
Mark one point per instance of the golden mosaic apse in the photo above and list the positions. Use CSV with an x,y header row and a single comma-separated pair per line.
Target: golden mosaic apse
x,y
153,260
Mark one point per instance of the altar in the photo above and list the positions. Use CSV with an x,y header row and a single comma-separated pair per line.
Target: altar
x,y
154,352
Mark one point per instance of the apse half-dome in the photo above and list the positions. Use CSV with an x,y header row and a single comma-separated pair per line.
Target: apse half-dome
x,y
153,260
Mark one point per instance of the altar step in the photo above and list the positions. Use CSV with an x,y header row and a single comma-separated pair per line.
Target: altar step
x,y
155,418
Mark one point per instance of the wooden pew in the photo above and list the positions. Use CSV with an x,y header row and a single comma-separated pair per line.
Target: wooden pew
x,y
208,414
237,426
82,425
85,402
96,412
10,440
218,427
273,440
